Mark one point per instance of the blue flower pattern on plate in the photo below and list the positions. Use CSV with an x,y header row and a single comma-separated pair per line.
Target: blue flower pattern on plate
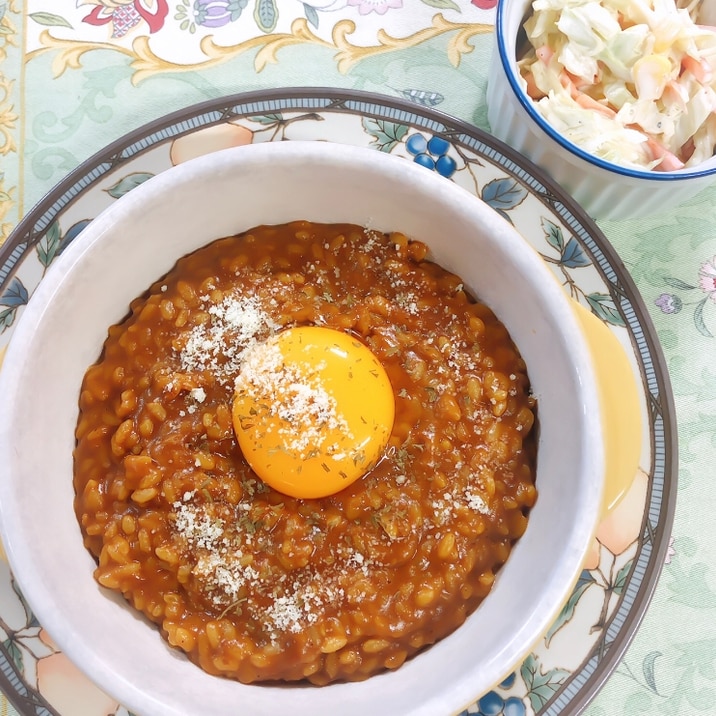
x,y
432,153
493,704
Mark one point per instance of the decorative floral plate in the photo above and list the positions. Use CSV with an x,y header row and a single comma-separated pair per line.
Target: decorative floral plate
x,y
585,643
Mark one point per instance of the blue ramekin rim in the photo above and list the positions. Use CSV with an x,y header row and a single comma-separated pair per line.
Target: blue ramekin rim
x,y
547,128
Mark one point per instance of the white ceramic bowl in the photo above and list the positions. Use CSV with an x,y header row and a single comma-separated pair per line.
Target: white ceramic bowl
x,y
137,240
605,190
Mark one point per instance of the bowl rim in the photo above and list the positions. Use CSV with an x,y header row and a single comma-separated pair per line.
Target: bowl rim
x,y
507,56
48,287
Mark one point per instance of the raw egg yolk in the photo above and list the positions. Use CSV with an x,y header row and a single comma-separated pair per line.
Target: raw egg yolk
x,y
313,410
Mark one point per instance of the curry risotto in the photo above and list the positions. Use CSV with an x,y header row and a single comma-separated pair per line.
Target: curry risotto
x,y
253,584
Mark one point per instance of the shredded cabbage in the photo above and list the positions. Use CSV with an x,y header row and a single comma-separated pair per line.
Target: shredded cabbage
x,y
630,81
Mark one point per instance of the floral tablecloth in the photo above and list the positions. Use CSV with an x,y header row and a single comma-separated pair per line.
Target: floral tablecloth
x,y
77,75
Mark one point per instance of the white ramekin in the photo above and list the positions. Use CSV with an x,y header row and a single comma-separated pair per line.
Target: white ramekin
x,y
604,190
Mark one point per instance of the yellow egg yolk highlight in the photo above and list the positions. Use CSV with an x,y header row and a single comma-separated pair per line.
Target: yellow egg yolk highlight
x,y
313,410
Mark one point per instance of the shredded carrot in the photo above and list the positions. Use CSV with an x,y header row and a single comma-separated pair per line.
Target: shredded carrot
x,y
687,150
669,161
583,99
533,91
699,68
674,94
587,102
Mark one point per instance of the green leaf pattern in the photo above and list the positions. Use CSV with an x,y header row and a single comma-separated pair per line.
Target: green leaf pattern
x,y
127,183
14,652
541,685
553,234
621,579
443,4
268,119
7,318
699,318
49,244
602,305
49,19
386,134
648,668
678,283
567,612
571,255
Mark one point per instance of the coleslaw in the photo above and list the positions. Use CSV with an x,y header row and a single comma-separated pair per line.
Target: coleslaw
x,y
631,81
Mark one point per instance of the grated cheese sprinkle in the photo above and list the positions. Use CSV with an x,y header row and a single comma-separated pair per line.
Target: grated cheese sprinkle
x,y
292,394
236,323
296,600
